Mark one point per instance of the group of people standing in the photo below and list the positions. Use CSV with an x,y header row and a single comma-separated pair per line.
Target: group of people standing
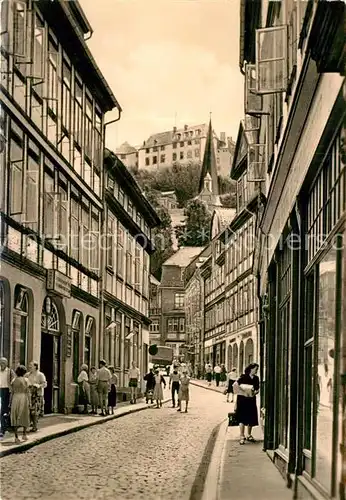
x,y
99,389
179,381
219,373
21,398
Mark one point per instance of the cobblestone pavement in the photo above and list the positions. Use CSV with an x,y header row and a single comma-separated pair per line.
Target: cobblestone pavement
x,y
154,455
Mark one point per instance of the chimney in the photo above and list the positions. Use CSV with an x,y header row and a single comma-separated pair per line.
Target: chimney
x,y
223,136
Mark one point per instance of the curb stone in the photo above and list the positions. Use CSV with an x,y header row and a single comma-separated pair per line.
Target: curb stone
x,y
212,480
64,432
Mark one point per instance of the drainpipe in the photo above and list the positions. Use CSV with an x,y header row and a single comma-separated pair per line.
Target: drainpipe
x,y
103,231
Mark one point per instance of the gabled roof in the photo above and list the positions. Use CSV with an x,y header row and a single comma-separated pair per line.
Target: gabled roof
x,y
221,219
126,148
160,139
240,152
209,163
183,256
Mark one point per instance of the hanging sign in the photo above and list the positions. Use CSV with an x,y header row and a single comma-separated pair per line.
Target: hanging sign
x,y
59,283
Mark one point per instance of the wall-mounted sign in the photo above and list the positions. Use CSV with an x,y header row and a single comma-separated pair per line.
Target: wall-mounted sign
x,y
59,283
69,342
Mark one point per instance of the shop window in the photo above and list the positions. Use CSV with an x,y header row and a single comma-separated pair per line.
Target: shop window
x,y
20,326
89,329
76,324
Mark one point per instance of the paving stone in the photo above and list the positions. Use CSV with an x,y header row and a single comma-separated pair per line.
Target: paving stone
x,y
153,454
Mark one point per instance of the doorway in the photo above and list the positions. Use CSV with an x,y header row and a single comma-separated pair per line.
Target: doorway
x,y
51,356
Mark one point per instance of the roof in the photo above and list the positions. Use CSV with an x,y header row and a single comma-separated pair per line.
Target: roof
x,y
153,280
126,148
183,256
225,216
209,165
159,139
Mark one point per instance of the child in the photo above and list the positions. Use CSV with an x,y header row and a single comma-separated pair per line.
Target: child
x,y
20,408
158,392
184,390
232,377
112,395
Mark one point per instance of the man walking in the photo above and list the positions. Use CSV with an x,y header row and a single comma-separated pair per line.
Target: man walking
x,y
103,386
6,377
209,374
217,371
134,378
174,384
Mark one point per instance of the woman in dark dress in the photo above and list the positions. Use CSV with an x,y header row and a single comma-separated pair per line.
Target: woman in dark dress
x,y
246,410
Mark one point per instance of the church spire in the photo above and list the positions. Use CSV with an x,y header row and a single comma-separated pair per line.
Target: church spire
x,y
209,163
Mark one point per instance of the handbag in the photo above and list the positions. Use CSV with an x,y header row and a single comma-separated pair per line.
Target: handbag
x,y
232,419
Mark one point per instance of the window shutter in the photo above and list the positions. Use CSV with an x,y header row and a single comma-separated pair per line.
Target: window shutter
x,y
20,29
257,162
253,103
271,60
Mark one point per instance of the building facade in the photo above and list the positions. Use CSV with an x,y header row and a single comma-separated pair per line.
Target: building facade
x,y
295,109
184,146
172,320
128,222
194,311
128,155
52,133
154,311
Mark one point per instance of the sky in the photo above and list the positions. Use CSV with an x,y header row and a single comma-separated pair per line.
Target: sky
x,y
168,62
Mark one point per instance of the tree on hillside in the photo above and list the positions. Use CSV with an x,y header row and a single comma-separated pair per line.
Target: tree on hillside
x,y
197,230
161,235
183,179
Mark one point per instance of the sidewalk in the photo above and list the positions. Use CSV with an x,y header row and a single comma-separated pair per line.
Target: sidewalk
x,y
205,385
56,425
241,471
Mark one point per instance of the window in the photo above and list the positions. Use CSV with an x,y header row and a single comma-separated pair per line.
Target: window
x,y
189,143
94,247
154,160
253,104
88,133
163,159
98,139
182,144
178,301
16,177
174,156
271,59
138,252
74,229
173,324
127,344
20,25
20,326
145,291
174,145
78,111
189,154
120,250
118,340
181,324
155,149
162,148
197,153
147,150
66,96
52,83
130,207
147,162
257,162
181,155
121,197
89,324
129,256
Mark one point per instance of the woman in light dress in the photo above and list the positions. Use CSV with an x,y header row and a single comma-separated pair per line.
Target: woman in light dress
x,y
84,388
94,396
158,392
20,403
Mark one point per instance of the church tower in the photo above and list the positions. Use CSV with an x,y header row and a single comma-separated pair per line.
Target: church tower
x,y
208,183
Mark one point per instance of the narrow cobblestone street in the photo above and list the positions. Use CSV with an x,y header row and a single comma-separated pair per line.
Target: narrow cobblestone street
x,y
154,454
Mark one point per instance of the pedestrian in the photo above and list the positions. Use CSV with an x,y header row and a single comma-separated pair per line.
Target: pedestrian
x,y
103,385
246,410
174,384
208,371
150,385
94,397
36,379
35,406
20,412
158,392
84,388
217,371
112,395
6,377
223,375
134,377
184,391
232,377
